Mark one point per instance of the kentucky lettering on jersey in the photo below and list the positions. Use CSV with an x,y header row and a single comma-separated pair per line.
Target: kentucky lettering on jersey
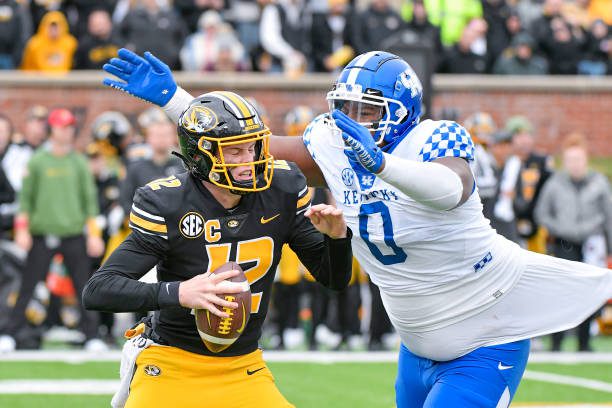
x,y
415,254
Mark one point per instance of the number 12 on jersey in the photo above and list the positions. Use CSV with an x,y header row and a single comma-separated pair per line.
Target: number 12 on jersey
x,y
258,250
366,211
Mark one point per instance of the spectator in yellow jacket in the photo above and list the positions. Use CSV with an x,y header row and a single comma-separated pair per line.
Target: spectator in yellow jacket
x,y
52,47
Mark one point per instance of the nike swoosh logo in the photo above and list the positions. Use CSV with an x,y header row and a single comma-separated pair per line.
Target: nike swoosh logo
x,y
502,367
249,372
267,220
167,288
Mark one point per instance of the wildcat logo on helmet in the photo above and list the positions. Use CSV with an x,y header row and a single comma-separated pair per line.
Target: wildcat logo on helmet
x,y
410,80
199,119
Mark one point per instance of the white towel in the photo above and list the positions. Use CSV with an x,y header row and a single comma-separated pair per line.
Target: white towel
x,y
131,349
594,251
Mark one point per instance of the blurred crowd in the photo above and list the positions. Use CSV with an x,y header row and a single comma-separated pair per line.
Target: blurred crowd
x,y
293,36
64,200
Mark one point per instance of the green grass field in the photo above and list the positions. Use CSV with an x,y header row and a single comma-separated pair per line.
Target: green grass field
x,y
311,385
602,164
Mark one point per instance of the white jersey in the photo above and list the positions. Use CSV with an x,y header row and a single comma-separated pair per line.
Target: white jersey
x,y
433,267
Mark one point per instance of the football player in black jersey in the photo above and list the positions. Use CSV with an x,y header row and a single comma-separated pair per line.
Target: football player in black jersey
x,y
235,203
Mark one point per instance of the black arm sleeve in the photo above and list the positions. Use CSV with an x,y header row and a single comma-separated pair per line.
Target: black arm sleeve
x,y
115,286
328,260
7,194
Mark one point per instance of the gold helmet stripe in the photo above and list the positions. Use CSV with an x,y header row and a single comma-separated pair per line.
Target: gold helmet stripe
x,y
231,105
242,105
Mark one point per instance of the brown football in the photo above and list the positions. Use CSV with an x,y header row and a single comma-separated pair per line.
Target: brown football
x,y
219,333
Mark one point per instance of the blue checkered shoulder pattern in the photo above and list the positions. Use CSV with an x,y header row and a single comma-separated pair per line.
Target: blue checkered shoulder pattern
x,y
449,139
306,138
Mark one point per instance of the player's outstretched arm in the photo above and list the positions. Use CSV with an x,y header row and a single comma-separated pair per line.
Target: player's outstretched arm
x,y
147,78
442,185
151,79
292,148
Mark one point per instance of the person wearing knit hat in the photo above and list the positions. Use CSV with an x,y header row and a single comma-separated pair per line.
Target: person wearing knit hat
x,y
519,58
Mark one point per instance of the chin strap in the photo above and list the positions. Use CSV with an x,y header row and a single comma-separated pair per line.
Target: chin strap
x,y
188,165
180,156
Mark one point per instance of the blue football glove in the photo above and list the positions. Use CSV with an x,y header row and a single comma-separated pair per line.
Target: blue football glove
x,y
147,78
361,141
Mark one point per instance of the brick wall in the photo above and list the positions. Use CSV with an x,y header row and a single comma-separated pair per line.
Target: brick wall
x,y
555,105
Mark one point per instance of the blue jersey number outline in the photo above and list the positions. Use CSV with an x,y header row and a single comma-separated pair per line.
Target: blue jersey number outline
x,y
379,207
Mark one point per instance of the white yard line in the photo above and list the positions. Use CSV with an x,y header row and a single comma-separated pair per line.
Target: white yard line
x,y
108,387
91,387
80,356
560,405
568,380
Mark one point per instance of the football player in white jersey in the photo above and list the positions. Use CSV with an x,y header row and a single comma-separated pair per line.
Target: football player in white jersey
x,y
464,300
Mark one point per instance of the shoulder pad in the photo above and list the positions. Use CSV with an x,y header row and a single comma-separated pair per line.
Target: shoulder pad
x,y
447,139
288,177
290,180
153,201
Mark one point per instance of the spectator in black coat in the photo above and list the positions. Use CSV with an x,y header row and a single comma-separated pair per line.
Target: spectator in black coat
x,y
11,34
284,33
562,49
469,55
377,23
191,10
332,37
502,22
99,44
82,9
148,27
418,30
598,50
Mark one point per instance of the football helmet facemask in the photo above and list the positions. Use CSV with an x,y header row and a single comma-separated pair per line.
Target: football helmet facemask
x,y
215,122
380,91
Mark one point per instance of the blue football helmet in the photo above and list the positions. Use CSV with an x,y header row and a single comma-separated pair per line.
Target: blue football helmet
x,y
380,91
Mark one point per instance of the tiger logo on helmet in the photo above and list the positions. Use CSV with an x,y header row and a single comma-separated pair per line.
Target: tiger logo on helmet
x,y
214,122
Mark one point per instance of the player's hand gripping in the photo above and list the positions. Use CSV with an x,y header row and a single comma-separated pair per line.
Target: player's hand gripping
x,y
328,220
201,292
147,78
361,141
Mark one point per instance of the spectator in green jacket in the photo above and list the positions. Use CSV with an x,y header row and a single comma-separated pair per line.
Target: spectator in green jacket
x,y
57,203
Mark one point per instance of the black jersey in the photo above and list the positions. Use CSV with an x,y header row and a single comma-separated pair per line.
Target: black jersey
x,y
179,226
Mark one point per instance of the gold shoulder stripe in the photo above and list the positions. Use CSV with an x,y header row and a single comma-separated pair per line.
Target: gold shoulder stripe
x,y
148,225
305,199
281,165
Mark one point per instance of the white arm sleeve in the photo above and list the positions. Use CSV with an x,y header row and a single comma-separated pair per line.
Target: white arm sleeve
x,y
428,183
177,104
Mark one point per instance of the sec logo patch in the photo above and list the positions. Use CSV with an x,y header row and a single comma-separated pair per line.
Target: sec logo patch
x,y
191,225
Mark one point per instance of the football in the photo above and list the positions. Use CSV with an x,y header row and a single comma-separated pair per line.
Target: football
x,y
219,333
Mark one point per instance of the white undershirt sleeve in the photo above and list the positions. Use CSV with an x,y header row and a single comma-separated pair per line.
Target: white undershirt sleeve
x,y
428,183
177,104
